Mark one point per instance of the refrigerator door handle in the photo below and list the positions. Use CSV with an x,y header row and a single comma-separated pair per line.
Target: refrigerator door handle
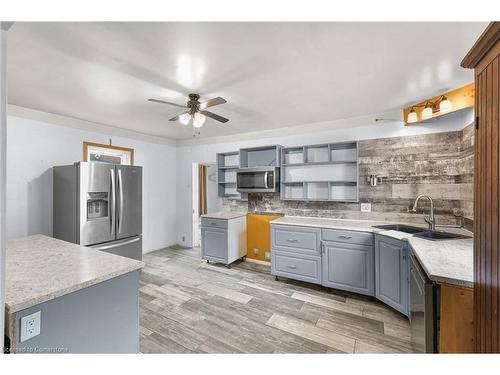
x,y
112,208
106,247
120,189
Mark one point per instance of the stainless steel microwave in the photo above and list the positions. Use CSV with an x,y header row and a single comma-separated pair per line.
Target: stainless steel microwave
x,y
258,180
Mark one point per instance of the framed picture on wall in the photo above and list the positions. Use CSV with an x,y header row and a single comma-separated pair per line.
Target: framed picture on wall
x,y
101,153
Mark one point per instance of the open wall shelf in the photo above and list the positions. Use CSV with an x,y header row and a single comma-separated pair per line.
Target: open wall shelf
x,y
326,172
227,164
264,156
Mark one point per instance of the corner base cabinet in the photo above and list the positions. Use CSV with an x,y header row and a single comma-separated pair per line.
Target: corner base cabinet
x,y
391,270
223,240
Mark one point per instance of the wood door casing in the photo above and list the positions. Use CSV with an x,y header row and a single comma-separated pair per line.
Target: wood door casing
x,y
484,58
486,215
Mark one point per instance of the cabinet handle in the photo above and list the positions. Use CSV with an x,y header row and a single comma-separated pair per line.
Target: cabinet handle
x,y
213,223
323,248
345,237
292,267
293,240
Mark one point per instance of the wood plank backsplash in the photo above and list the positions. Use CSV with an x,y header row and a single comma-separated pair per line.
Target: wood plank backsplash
x,y
440,165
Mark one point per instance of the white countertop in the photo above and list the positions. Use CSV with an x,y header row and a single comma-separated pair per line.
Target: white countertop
x,y
444,261
41,268
224,215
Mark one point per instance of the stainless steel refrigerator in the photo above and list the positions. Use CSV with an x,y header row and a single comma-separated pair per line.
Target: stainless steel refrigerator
x,y
99,205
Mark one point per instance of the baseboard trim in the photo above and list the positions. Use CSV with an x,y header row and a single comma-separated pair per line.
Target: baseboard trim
x,y
263,262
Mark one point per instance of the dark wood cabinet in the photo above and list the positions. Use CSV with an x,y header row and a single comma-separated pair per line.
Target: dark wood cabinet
x,y
484,59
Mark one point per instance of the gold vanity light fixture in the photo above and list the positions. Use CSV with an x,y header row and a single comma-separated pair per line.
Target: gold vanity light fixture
x,y
449,102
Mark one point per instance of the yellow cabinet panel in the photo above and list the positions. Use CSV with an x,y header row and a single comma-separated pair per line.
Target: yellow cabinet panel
x,y
259,235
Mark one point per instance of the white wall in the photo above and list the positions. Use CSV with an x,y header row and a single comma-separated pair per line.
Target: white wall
x,y
365,128
4,26
34,147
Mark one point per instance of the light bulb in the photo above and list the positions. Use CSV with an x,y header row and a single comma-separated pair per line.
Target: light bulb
x,y
444,105
184,118
412,116
198,120
427,112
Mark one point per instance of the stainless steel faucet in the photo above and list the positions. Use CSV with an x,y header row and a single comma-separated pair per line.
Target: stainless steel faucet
x,y
429,219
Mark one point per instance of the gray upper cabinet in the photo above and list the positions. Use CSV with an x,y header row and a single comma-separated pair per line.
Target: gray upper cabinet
x,y
391,270
349,267
325,172
227,165
264,156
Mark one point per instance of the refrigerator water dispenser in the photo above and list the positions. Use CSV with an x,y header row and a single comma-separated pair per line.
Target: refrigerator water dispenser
x,y
97,205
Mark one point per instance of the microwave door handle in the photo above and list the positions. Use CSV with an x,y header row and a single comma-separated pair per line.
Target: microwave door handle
x,y
112,208
265,179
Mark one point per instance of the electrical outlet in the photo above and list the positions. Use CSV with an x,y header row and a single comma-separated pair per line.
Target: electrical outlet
x,y
268,255
30,325
366,207
255,251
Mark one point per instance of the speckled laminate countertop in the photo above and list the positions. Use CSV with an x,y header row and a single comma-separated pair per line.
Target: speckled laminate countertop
x,y
41,268
224,215
445,261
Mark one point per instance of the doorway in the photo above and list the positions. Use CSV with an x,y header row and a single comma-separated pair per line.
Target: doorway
x,y
204,196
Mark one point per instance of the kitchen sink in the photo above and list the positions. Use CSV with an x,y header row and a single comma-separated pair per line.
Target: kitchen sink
x,y
400,228
436,236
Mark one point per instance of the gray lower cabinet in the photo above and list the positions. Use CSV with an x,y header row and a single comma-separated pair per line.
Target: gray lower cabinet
x,y
348,266
296,266
223,240
391,270
214,244
296,253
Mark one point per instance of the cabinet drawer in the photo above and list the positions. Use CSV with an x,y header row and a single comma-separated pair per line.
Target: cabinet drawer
x,y
296,267
213,223
296,239
349,236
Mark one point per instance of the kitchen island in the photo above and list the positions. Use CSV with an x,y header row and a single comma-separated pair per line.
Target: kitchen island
x,y
78,299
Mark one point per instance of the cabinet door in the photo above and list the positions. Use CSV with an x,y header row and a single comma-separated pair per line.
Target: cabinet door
x,y
214,244
391,272
349,267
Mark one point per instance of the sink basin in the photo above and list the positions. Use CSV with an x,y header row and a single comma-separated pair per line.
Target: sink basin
x,y
400,228
436,236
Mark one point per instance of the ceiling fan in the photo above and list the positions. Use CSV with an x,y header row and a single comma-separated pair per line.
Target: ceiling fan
x,y
196,113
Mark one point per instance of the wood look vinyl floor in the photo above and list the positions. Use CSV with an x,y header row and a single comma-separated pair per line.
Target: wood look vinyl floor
x,y
188,306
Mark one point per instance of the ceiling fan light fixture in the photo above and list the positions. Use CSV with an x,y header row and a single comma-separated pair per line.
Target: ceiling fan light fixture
x,y
198,120
184,119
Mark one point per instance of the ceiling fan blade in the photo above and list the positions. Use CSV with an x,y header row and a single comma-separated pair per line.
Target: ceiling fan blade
x,y
214,116
165,102
181,116
210,103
